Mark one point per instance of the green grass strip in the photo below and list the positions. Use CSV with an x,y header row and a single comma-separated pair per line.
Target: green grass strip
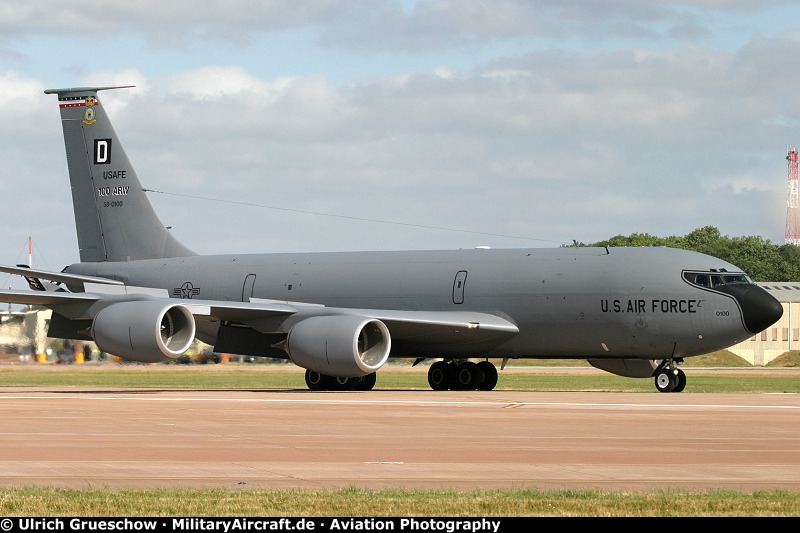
x,y
36,501
261,377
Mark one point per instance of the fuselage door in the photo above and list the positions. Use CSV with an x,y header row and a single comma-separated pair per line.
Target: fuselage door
x,y
458,286
247,288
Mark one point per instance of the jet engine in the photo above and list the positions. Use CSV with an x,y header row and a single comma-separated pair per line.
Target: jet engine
x,y
148,331
347,346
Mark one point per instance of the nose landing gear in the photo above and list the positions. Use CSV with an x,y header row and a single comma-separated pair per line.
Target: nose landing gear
x,y
670,378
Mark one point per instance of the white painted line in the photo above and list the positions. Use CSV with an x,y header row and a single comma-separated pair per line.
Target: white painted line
x,y
324,401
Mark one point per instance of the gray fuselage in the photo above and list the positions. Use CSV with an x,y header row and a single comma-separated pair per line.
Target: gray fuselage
x,y
566,302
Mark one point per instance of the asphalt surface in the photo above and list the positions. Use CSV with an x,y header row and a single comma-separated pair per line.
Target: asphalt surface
x,y
145,438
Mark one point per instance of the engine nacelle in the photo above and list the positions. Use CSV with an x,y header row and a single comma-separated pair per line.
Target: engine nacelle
x,y
148,331
629,368
346,346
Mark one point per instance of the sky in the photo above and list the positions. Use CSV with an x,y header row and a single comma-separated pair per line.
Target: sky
x,y
333,125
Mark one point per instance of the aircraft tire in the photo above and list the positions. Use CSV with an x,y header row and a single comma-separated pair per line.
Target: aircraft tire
x,y
489,381
440,375
666,381
365,382
316,381
681,384
463,377
468,376
342,384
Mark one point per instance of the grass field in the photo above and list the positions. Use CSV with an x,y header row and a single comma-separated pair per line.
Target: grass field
x,y
393,502
717,373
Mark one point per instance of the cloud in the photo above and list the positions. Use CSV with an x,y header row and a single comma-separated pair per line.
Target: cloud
x,y
301,126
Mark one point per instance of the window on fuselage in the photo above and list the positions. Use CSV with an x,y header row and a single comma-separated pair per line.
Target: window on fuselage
x,y
711,280
730,279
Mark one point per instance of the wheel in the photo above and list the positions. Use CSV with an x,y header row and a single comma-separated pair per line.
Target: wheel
x,y
316,381
342,383
440,375
365,382
666,381
681,382
489,375
468,376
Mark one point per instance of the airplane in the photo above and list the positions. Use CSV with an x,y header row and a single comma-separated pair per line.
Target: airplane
x,y
141,294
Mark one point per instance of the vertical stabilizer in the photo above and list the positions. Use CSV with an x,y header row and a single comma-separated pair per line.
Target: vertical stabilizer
x,y
113,216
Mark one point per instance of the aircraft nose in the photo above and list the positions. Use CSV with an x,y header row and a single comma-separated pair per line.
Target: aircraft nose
x,y
759,308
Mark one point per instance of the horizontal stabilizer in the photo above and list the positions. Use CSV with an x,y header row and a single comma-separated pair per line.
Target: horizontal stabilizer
x,y
58,277
47,299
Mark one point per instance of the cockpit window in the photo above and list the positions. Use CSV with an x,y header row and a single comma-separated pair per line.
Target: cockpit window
x,y
714,279
729,279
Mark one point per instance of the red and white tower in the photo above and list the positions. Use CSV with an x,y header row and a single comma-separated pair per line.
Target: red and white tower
x,y
793,202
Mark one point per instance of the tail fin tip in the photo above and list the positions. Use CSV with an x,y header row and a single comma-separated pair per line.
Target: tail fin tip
x,y
82,89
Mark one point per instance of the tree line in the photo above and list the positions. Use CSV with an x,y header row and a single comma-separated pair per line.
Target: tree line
x,y
761,259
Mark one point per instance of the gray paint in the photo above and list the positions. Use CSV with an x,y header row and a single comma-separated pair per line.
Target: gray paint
x,y
632,307
114,219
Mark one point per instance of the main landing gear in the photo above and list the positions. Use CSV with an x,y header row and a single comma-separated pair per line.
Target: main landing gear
x,y
318,382
462,375
670,378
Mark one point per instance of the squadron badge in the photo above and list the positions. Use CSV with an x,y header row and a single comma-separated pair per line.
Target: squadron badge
x,y
88,115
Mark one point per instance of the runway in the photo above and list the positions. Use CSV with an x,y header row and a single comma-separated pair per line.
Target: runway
x,y
146,438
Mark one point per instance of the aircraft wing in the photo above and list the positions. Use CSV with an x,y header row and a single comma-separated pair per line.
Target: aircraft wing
x,y
84,305
441,328
433,328
412,332
456,319
146,324
455,333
